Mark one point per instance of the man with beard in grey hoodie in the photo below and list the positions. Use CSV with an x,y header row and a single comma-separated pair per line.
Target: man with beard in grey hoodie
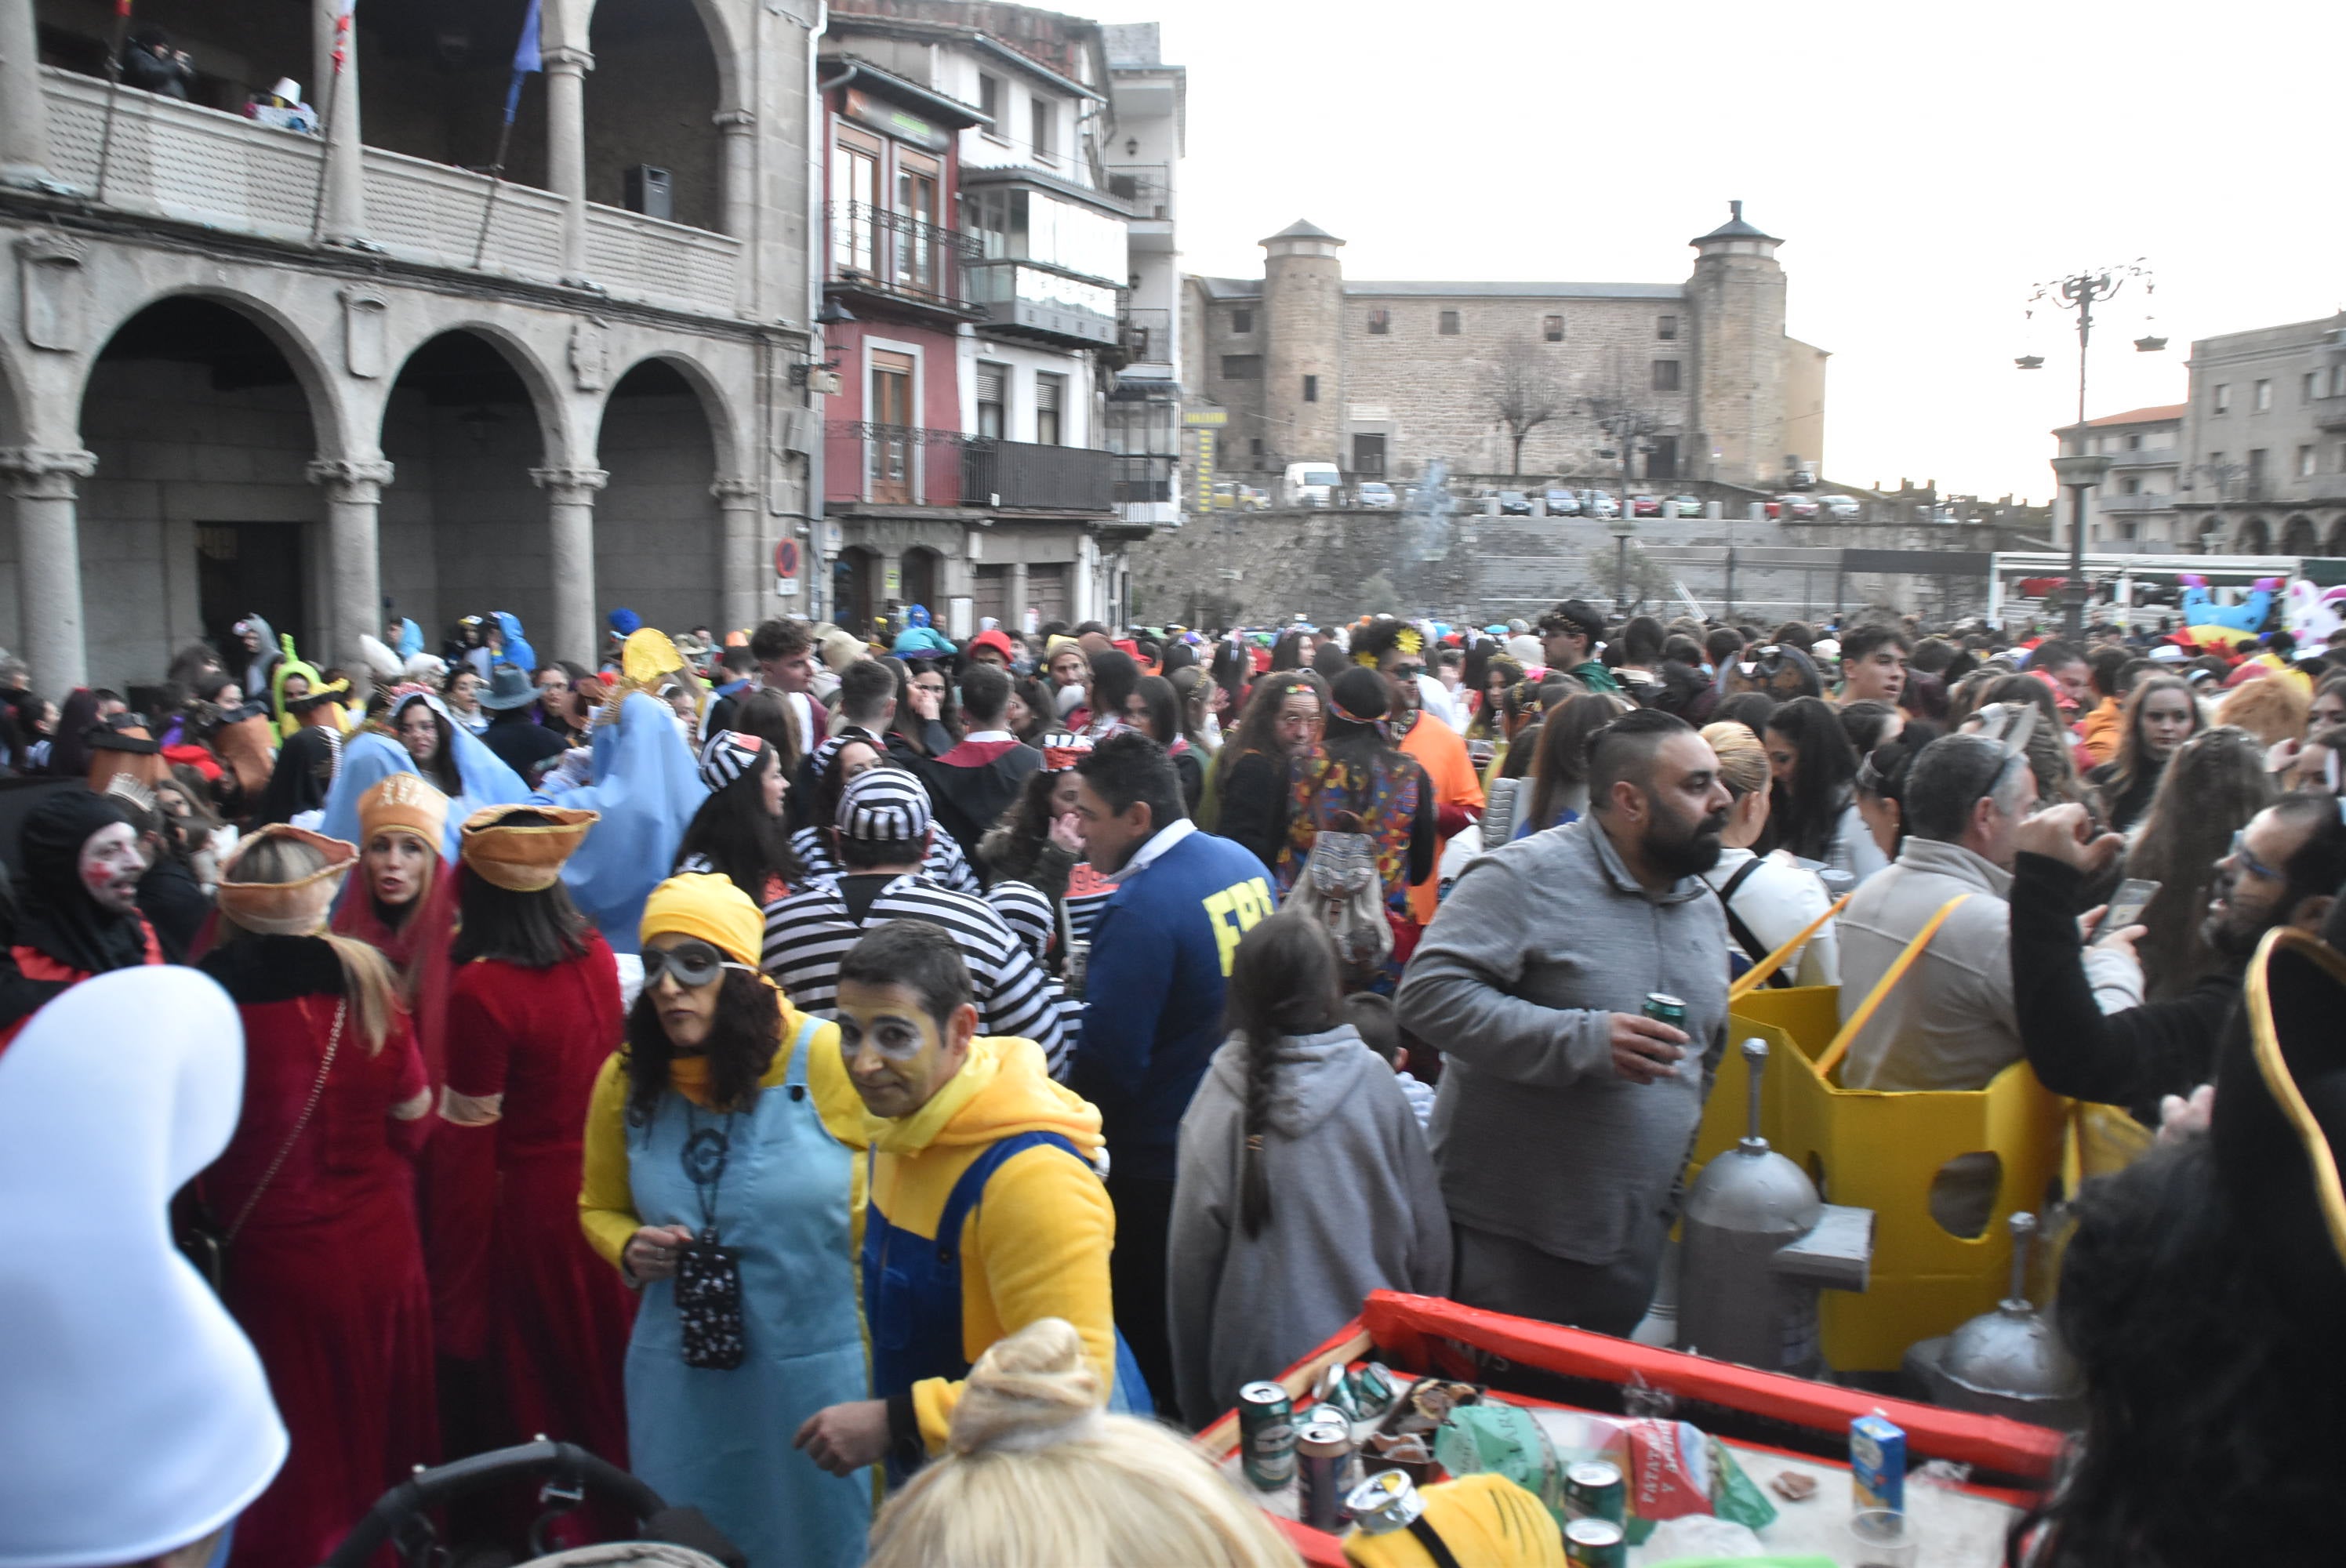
x,y
1565,1112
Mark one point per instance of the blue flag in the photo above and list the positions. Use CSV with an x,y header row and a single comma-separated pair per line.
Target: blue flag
x,y
527,59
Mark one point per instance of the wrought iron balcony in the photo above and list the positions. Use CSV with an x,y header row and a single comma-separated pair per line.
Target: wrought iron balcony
x,y
1148,337
1024,476
1146,188
891,464
892,256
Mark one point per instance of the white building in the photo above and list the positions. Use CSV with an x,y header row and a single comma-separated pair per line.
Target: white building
x,y
2134,507
1144,139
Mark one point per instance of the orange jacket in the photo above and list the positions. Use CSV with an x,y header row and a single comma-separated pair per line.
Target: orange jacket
x,y
1440,751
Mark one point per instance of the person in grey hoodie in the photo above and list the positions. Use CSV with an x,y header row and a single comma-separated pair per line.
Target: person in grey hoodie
x,y
1302,1181
1564,1115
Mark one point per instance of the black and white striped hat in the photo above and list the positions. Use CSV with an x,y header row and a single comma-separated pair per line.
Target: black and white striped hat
x,y
727,756
884,805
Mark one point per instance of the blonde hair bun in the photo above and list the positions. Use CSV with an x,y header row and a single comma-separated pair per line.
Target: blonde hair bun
x,y
1028,1391
1743,759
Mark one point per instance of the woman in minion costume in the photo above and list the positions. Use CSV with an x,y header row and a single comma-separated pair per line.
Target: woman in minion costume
x,y
719,1180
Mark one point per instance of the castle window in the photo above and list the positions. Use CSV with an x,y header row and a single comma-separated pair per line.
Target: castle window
x,y
1380,323
1666,375
1552,328
1242,321
1666,328
1448,324
1310,389
1242,367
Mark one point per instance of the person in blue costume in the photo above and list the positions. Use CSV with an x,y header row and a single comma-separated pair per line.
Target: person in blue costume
x,y
517,649
725,1121
372,756
644,783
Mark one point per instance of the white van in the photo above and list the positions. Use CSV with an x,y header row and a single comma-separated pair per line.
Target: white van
x,y
1309,485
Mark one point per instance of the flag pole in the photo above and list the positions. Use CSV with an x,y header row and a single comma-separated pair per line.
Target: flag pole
x,y
326,125
527,58
496,183
113,90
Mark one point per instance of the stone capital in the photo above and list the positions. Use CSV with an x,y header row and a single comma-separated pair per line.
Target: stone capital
x,y
359,480
44,473
734,495
570,486
568,59
735,122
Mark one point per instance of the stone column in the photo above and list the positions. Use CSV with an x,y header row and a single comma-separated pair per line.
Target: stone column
x,y
24,112
1016,621
570,525
566,152
353,488
744,565
341,217
48,560
740,129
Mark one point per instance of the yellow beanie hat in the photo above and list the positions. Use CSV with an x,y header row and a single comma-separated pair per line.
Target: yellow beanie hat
x,y
711,908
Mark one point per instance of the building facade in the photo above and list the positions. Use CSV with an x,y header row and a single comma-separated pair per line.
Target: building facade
x,y
1381,378
2135,506
976,232
325,377
2264,433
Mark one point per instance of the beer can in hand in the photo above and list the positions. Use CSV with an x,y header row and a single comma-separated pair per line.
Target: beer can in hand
x,y
1663,1008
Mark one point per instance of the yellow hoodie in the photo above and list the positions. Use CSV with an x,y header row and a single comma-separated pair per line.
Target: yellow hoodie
x,y
1037,1245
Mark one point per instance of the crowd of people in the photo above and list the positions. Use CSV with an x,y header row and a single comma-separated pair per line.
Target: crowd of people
x,y
766,1058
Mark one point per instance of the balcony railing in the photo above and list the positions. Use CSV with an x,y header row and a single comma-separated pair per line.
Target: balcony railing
x,y
1146,188
182,163
1148,337
1141,478
891,464
887,252
2112,500
2330,413
2147,457
1023,475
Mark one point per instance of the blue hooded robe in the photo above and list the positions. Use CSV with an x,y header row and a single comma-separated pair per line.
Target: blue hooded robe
x,y
647,788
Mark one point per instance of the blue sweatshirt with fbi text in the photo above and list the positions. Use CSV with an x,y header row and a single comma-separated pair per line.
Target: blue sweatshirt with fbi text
x,y
1160,961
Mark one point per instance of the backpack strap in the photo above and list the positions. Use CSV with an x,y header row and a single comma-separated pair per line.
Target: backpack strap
x,y
1751,945
1882,987
1757,974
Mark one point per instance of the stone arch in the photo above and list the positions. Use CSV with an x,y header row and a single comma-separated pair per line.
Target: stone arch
x,y
327,408
2298,538
923,581
659,540
724,43
546,404
2333,543
468,423
654,97
2256,537
728,440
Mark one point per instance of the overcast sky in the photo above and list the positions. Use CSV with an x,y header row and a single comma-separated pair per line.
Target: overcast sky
x,y
1925,165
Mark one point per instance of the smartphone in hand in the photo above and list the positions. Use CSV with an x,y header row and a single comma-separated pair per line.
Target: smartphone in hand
x,y
2126,907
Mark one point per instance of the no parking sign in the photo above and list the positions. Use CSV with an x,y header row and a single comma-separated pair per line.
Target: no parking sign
x,y
786,569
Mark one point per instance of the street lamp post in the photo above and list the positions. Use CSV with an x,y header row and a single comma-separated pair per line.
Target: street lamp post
x,y
2081,471
1624,527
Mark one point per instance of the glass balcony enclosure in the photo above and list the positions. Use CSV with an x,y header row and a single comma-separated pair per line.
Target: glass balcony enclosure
x,y
1023,225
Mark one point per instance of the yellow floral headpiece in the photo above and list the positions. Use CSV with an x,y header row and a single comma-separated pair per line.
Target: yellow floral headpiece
x,y
1365,660
1410,641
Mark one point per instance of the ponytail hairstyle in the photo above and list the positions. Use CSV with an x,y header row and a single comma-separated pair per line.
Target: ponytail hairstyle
x,y
1284,981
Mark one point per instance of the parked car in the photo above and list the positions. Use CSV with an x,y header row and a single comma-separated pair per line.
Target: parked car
x,y
1840,508
1254,498
1377,492
1794,508
1599,503
1644,505
1515,503
1562,504
1686,505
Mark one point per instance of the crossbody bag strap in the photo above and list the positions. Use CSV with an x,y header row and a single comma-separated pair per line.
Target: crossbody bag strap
x,y
1757,975
1882,987
317,1092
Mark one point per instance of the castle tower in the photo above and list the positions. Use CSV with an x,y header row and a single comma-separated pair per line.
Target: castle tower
x,y
1738,299
1303,361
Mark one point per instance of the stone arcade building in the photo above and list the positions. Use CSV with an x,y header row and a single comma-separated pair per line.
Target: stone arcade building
x,y
243,368
1380,377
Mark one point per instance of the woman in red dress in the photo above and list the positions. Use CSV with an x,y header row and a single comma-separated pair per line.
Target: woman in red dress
x,y
404,906
317,1191
533,1012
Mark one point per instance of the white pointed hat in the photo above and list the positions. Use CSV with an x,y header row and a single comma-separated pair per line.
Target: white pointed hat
x,y
137,1418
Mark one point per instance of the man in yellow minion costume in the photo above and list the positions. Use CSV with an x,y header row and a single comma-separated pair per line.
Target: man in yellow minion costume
x,y
985,1210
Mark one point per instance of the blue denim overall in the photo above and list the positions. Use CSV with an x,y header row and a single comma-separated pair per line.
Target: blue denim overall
x,y
720,1441
911,1290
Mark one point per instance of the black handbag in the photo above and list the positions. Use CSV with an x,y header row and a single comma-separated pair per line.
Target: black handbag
x,y
202,1239
709,1273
